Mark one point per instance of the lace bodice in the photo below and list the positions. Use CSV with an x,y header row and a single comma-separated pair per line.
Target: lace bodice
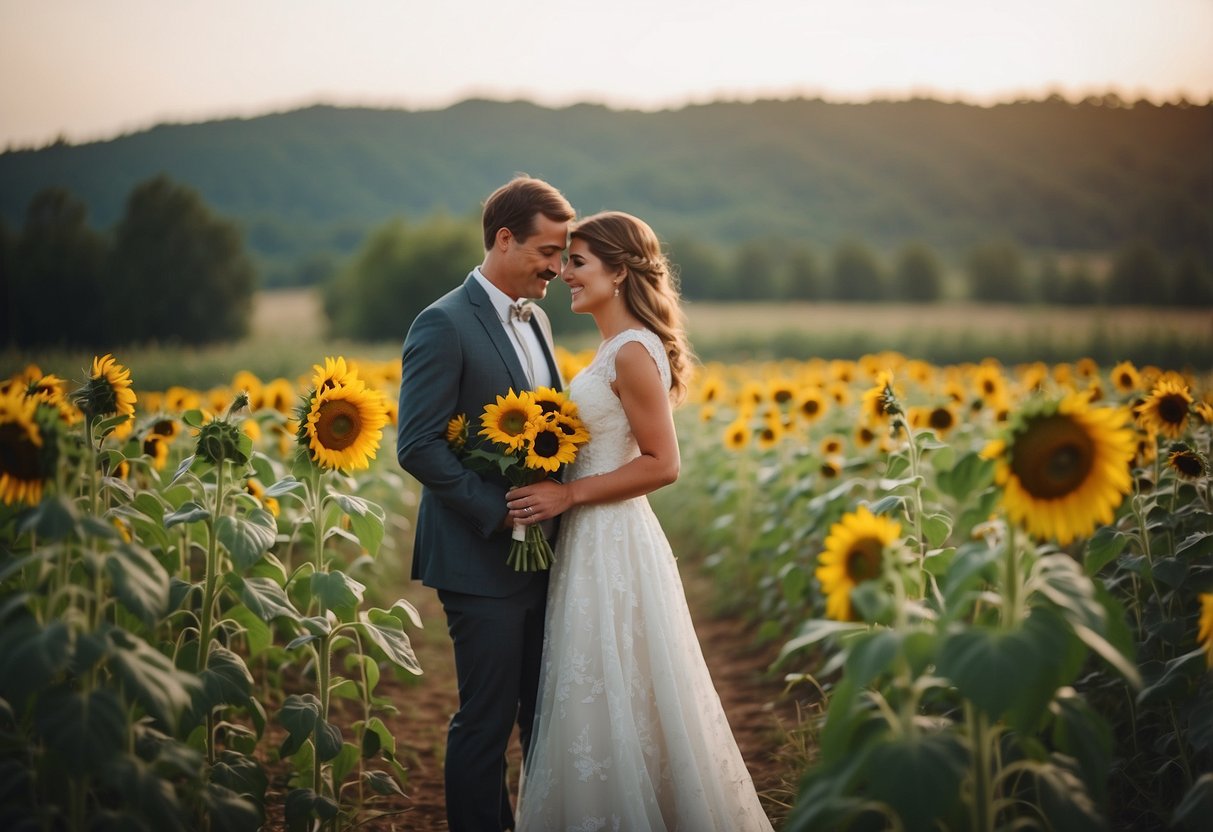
x,y
612,443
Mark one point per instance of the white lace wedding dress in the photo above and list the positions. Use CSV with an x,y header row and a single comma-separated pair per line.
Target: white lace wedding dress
x,y
630,735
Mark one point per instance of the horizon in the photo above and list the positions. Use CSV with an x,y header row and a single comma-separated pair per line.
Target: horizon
x,y
89,72
1095,96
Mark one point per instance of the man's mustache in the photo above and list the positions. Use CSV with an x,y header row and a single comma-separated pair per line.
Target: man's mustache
x,y
548,275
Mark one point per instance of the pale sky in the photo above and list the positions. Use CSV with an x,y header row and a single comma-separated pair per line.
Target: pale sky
x,y
89,69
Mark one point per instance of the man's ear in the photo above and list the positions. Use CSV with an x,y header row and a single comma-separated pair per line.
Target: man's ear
x,y
503,238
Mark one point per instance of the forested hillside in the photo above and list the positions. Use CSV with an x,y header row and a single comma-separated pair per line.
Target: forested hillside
x,y
1048,175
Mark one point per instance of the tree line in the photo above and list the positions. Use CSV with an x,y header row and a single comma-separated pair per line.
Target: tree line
x,y
308,186
170,270
174,270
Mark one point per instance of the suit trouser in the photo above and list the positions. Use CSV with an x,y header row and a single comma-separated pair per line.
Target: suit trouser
x,y
498,647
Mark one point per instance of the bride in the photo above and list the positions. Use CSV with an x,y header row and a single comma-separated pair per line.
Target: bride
x,y
630,733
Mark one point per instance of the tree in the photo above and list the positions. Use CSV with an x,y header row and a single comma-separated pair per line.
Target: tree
x,y
996,273
802,278
1080,288
400,270
1193,282
1138,276
1051,281
179,270
755,271
58,291
700,267
856,273
919,275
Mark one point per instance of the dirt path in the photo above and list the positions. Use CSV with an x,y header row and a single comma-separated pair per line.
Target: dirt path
x,y
757,709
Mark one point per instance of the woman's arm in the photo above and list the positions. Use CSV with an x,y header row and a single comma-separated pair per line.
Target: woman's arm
x,y
646,403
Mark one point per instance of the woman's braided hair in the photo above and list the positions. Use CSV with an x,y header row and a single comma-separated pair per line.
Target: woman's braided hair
x,y
649,287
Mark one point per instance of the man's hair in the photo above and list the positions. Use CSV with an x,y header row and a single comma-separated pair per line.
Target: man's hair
x,y
515,204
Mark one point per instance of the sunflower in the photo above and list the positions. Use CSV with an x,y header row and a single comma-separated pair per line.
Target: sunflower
x,y
257,490
811,404
252,385
279,395
1187,463
864,436
989,383
179,399
712,390
1125,378
51,390
548,448
108,391
574,429
1064,467
781,391
334,373
737,435
1165,410
840,393
343,426
156,446
23,468
1205,411
854,553
511,420
831,445
551,400
941,419
1205,634
880,403
769,434
457,431
831,467
1146,449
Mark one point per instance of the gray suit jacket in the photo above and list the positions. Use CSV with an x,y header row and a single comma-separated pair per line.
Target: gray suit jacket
x,y
457,358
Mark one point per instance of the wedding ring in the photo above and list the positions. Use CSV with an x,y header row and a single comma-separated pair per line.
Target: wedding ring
x,y
528,509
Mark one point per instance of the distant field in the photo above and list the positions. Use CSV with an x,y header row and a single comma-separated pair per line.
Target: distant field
x,y
709,321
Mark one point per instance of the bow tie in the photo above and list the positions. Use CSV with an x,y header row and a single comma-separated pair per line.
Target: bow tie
x,y
521,311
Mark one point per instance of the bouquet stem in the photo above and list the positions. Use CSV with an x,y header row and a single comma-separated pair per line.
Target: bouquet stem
x,y
529,551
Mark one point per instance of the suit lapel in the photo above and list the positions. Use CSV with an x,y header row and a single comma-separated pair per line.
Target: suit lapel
x,y
495,331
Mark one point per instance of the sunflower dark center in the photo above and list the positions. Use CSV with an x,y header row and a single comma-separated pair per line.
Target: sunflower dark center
x,y
783,396
547,444
1188,464
18,456
163,427
863,559
1173,409
339,425
548,406
940,418
512,422
1052,457
810,407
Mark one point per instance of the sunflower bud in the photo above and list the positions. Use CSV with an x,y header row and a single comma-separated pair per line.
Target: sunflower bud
x,y
219,440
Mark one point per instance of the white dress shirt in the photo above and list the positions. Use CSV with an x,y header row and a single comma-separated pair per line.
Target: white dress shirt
x,y
522,335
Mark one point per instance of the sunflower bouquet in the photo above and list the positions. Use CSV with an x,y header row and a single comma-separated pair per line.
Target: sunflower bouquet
x,y
524,437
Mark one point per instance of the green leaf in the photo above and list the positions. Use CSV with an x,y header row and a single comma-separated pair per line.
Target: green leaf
x,y
1171,571
83,731
1196,546
872,654
1079,732
817,630
301,717
366,520
338,592
386,632
286,485
228,811
380,782
345,761
150,677
257,633
189,512
226,680
247,538
1103,547
919,776
383,738
1011,673
1176,681
1196,804
55,518
969,476
936,528
139,581
31,656
266,599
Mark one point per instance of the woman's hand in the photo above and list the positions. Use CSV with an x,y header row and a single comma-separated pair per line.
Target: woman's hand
x,y
542,500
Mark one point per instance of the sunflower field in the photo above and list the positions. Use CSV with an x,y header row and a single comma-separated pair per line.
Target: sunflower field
x,y
996,581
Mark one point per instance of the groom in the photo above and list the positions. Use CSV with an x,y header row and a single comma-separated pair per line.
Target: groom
x,y
465,349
